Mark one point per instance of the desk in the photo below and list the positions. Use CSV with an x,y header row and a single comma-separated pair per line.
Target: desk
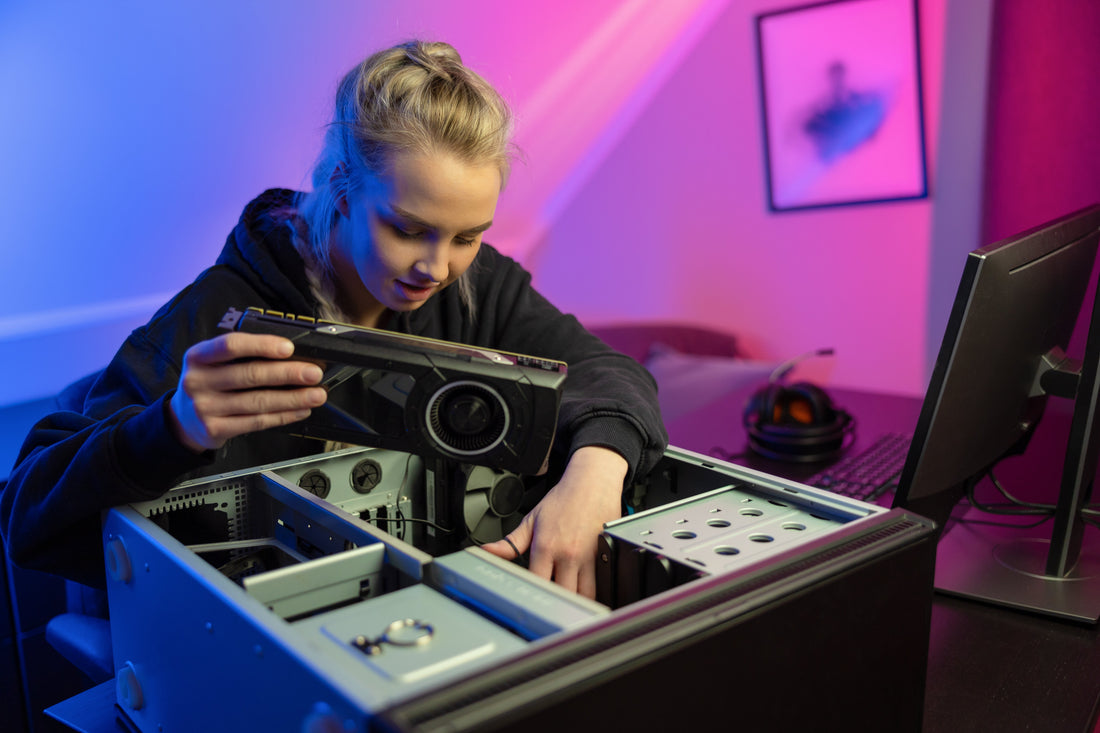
x,y
989,669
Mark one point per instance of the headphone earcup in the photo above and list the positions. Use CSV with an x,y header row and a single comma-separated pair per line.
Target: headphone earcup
x,y
762,403
803,404
795,423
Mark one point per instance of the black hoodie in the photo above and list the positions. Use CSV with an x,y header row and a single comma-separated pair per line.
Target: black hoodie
x,y
117,445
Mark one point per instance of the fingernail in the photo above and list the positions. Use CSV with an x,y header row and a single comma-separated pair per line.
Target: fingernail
x,y
284,349
314,374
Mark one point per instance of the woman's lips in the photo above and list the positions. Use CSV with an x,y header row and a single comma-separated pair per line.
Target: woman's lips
x,y
416,292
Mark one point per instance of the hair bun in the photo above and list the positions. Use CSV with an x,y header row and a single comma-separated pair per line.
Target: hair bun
x,y
436,56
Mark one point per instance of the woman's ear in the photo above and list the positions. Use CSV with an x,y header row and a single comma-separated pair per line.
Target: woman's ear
x,y
339,183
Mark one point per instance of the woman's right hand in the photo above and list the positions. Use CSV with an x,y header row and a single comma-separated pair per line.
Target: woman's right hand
x,y
240,383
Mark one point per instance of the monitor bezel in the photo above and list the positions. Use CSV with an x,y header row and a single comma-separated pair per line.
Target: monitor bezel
x,y
1074,240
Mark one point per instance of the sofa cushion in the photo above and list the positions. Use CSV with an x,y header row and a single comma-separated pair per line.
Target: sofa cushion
x,y
686,382
638,339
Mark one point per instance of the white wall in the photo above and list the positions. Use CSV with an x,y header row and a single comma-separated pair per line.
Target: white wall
x,y
675,225
132,134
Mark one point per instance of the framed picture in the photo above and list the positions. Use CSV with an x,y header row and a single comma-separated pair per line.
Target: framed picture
x,y
840,91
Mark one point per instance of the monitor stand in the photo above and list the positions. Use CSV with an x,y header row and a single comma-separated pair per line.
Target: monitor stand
x,y
1005,565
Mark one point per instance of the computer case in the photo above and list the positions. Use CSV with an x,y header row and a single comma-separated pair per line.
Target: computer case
x,y
245,602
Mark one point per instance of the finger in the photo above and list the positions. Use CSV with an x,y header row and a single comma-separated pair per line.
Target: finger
x,y
520,537
235,376
541,563
232,346
262,373
258,402
566,574
203,424
586,580
523,537
502,549
222,428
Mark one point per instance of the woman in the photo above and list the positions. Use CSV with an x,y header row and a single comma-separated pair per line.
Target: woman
x,y
390,237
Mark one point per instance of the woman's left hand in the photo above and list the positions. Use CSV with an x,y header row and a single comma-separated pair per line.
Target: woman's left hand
x,y
561,531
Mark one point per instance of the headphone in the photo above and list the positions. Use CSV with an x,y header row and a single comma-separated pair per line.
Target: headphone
x,y
798,422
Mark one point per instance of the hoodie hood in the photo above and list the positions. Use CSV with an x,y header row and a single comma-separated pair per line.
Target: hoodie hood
x,y
260,249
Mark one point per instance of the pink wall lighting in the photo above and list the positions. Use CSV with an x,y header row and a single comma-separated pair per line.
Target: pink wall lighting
x,y
675,226
642,195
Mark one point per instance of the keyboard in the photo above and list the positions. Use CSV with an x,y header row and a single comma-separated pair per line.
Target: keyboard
x,y
869,474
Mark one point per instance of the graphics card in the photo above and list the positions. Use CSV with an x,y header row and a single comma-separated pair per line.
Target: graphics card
x,y
436,399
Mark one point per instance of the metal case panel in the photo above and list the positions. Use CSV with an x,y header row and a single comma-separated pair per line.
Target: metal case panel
x,y
245,602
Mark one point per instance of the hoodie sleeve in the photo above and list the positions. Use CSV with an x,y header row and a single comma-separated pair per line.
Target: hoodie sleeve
x,y
73,467
117,448
116,445
609,399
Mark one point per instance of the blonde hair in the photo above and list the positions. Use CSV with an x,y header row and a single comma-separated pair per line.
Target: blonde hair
x,y
415,97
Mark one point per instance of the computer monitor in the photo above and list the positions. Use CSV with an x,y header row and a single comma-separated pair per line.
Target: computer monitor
x,y
1003,357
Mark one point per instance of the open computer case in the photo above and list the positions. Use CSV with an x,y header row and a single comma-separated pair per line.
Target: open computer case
x,y
246,601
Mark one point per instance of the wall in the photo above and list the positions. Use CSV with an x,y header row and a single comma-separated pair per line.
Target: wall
x,y
135,133
1042,159
678,211
956,221
132,134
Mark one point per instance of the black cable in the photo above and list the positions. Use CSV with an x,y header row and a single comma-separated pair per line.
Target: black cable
x,y
439,527
1014,507
1011,525
1019,508
1004,492
401,518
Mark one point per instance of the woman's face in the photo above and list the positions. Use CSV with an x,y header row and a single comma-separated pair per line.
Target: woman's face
x,y
407,234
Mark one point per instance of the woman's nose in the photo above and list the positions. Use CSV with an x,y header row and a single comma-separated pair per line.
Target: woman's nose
x,y
434,262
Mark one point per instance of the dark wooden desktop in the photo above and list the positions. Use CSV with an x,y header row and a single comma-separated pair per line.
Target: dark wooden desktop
x,y
989,668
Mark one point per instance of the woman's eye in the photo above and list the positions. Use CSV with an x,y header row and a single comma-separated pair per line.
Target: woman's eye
x,y
405,233
466,242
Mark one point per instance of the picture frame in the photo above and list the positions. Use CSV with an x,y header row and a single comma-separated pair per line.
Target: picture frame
x,y
840,95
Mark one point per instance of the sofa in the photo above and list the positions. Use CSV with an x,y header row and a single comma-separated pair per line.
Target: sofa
x,y
693,365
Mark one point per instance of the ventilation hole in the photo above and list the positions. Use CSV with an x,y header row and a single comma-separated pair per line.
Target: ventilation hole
x,y
315,482
365,475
